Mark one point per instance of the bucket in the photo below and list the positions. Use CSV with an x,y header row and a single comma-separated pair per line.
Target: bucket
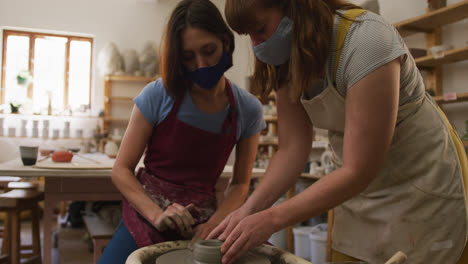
x,y
278,239
318,244
302,241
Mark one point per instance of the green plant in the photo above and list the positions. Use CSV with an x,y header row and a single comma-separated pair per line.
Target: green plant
x,y
14,107
23,77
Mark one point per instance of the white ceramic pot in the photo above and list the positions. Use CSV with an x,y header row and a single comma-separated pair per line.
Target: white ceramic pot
x,y
111,149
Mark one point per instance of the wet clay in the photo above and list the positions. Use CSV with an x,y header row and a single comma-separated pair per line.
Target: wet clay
x,y
149,254
185,256
207,252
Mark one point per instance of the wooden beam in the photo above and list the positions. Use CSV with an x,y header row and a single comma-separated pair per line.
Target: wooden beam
x,y
2,87
434,75
289,230
67,74
330,219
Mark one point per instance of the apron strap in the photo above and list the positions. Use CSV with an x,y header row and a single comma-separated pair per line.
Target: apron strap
x,y
232,115
345,23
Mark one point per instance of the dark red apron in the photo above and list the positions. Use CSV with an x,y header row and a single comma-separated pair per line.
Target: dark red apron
x,y
182,165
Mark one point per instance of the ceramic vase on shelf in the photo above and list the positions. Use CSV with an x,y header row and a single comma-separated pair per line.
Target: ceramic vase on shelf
x,y
24,132
12,131
55,134
45,129
111,149
436,4
79,133
66,129
35,129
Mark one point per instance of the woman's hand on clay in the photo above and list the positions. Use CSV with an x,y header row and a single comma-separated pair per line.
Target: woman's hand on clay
x,y
250,232
228,224
176,217
202,231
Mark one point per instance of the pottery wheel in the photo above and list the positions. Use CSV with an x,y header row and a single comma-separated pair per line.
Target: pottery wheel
x,y
184,256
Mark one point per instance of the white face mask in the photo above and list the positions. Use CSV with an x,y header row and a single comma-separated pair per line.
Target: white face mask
x,y
277,49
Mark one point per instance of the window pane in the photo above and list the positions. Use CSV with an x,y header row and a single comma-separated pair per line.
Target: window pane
x,y
17,56
80,73
49,71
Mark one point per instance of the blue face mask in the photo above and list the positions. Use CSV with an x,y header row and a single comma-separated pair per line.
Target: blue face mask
x,y
208,77
277,49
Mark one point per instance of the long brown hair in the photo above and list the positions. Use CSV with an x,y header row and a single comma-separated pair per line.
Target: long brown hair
x,y
312,39
188,13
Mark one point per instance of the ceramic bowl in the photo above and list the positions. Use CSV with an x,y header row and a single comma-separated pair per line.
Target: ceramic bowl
x,y
46,152
62,156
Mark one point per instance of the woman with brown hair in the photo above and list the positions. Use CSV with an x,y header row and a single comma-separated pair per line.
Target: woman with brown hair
x,y
188,121
398,183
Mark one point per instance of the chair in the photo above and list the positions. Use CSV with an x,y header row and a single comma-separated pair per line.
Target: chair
x,y
13,203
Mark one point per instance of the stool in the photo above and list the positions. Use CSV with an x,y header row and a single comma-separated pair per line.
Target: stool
x,y
13,203
22,186
5,180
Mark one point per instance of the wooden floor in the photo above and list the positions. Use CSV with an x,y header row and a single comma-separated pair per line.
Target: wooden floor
x,y
72,247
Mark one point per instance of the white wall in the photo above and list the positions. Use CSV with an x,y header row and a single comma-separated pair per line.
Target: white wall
x,y
128,23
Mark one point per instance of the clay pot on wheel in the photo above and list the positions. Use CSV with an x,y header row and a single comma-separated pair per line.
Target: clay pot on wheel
x,y
207,251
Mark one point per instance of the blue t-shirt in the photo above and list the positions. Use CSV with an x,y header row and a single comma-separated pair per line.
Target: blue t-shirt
x,y
155,104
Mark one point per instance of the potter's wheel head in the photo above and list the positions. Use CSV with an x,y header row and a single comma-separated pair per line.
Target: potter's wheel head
x,y
184,256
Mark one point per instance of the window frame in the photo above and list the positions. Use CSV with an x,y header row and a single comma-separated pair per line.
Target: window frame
x,y
32,41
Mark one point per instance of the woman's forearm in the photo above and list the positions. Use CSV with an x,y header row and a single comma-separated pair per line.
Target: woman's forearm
x,y
329,192
234,197
283,171
124,179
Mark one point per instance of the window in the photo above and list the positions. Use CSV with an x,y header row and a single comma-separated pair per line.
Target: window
x,y
60,66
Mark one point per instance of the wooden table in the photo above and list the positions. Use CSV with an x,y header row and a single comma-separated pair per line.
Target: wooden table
x,y
80,185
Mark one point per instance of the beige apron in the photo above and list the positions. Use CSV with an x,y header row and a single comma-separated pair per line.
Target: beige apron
x,y
416,203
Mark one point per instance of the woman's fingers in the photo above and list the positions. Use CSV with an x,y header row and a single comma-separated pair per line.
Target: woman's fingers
x,y
237,249
188,216
181,216
167,223
233,236
229,228
219,229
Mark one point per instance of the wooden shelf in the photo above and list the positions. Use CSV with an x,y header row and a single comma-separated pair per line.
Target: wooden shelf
x,y
450,56
121,98
270,119
274,142
461,97
129,78
428,22
32,116
116,119
50,137
310,176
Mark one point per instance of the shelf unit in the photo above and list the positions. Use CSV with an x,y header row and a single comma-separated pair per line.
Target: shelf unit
x,y
433,20
430,24
109,98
